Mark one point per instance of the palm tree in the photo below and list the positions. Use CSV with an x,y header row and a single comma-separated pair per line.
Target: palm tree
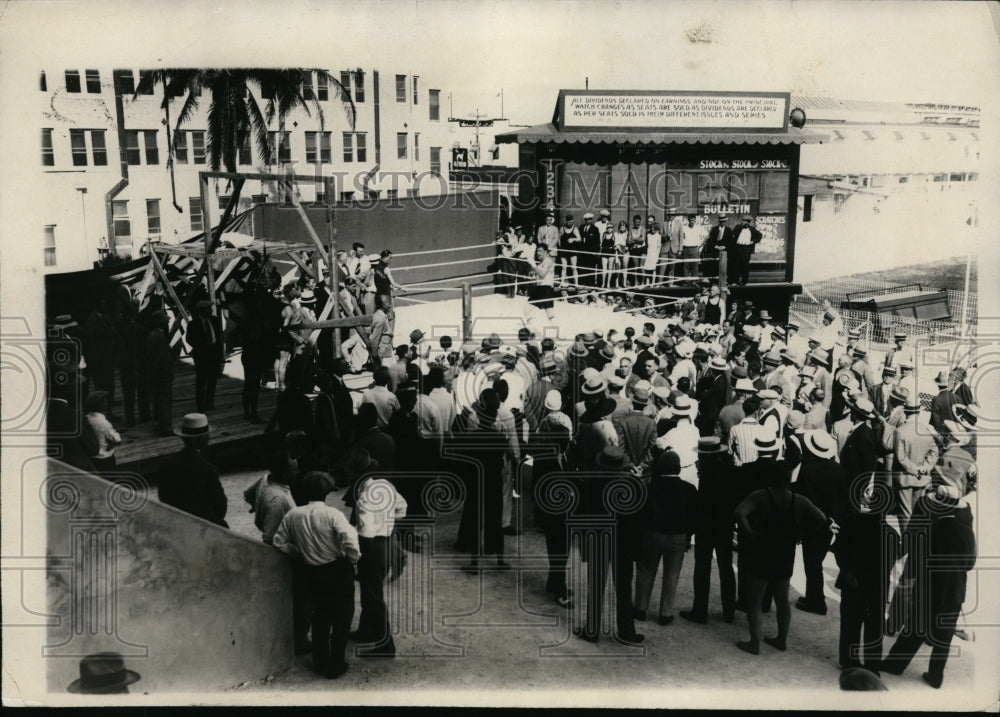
x,y
234,113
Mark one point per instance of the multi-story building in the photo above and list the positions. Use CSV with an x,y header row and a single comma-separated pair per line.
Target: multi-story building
x,y
113,181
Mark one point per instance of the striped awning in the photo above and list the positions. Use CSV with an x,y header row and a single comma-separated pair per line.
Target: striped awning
x,y
544,133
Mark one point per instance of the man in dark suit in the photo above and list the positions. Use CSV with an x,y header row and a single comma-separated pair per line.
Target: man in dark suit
x,y
552,478
609,542
943,405
204,335
588,262
160,360
720,241
187,480
879,395
745,239
711,395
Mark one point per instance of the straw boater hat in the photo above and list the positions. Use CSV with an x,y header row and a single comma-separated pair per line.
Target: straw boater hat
x,y
416,335
899,336
717,364
899,394
942,378
766,445
820,443
854,334
607,351
683,406
771,358
765,315
768,394
967,416
644,340
589,339
192,426
905,365
578,350
308,297
661,392
860,351
744,385
789,357
710,444
738,372
888,371
553,400
102,673
814,340
616,381
641,391
778,330
594,386
912,405
820,355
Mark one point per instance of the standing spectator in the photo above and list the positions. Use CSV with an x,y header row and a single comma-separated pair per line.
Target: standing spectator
x,y
771,521
711,396
99,349
187,480
943,404
322,538
746,238
204,335
370,437
613,550
548,234
543,290
636,251
820,480
591,249
570,242
671,515
130,339
385,284
381,397
552,478
720,240
160,360
693,237
716,502
742,436
96,405
382,329
377,508
653,243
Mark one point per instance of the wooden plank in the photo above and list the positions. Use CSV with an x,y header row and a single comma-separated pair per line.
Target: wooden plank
x,y
166,285
343,322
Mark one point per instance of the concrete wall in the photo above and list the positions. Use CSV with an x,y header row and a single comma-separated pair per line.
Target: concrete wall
x,y
190,605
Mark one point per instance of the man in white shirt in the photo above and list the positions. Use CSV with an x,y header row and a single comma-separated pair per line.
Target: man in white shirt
x,y
381,397
323,539
378,506
693,236
682,439
441,397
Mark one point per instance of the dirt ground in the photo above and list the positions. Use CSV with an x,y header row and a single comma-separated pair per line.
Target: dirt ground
x,y
501,631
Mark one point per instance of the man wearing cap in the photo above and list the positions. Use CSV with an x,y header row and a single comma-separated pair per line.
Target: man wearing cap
x,y
906,378
732,414
772,418
187,480
160,362
766,332
862,368
820,480
832,327
823,378
900,352
382,329
743,435
796,344
551,473
746,238
617,527
881,394
894,419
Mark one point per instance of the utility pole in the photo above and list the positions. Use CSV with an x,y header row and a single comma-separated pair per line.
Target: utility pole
x,y
477,120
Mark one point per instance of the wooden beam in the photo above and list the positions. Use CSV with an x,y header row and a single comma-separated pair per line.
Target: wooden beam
x,y
331,264
260,176
166,285
466,312
345,322
302,264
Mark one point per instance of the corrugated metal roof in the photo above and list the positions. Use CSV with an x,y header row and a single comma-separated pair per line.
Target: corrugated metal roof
x,y
808,102
548,133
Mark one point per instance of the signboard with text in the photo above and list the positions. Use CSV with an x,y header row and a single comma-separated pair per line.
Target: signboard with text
x,y
669,111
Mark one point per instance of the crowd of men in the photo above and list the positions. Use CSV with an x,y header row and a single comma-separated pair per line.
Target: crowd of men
x,y
739,437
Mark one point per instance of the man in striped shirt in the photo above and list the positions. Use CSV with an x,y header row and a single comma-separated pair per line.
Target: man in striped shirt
x,y
744,433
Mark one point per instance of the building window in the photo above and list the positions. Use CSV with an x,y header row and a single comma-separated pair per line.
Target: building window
x,y
318,147
401,145
43,84
48,153
359,87
180,147
98,148
904,179
78,145
400,88
322,87
416,97
146,88
126,81
245,158
416,146
436,161
198,147
132,154
223,201
392,194
153,218
152,152
361,140
256,199
434,104
93,82
347,196
348,147
807,208
307,86
194,209
119,216
280,152
50,245
72,81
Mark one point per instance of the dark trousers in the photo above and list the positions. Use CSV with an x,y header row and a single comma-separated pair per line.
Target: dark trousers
x,y
939,635
253,372
143,394
861,610
332,588
557,548
163,404
129,384
704,547
301,602
739,265
615,556
102,378
372,570
813,554
206,374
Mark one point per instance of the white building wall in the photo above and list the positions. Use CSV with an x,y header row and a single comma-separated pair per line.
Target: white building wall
x,y
77,241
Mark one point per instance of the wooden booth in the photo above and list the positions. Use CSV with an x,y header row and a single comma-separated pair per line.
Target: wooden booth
x,y
670,154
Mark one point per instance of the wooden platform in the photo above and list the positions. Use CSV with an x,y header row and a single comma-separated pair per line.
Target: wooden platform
x,y
142,450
